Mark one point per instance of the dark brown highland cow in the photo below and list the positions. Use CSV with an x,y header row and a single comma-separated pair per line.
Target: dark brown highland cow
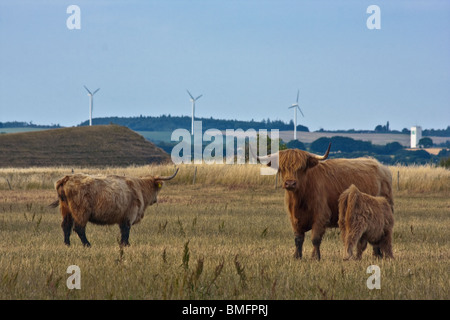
x,y
313,186
364,218
104,200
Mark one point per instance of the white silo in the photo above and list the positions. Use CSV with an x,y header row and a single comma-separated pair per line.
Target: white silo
x,y
416,135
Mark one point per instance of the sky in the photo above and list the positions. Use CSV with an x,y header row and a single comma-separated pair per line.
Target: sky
x,y
247,57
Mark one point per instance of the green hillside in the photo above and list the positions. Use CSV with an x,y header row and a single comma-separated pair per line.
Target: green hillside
x,y
96,146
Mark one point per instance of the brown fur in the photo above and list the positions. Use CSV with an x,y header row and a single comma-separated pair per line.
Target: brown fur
x,y
313,203
364,218
104,200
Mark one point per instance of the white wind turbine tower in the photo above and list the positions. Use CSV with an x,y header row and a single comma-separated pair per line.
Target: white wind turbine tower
x,y
295,106
193,109
91,103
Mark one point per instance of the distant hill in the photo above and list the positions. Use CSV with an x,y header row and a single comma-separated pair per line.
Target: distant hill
x,y
96,146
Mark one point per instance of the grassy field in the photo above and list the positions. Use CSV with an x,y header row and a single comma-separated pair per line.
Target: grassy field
x,y
225,237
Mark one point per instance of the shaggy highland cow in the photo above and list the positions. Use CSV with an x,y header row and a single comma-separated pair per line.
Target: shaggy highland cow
x,y
364,218
104,200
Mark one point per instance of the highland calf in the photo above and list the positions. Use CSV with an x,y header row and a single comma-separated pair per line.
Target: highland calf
x,y
104,200
364,218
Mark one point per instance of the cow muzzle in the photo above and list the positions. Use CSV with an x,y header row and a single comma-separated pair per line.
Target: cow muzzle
x,y
290,185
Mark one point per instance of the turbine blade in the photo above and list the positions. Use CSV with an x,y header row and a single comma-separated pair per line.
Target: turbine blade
x,y
199,97
190,95
87,89
300,111
96,91
298,92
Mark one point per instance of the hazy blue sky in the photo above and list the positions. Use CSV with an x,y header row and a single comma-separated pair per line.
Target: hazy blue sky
x,y
247,58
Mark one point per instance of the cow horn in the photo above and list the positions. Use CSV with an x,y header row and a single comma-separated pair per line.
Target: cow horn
x,y
324,156
268,158
169,178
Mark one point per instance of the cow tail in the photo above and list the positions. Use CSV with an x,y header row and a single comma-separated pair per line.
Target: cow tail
x,y
54,204
347,202
59,186
352,202
343,199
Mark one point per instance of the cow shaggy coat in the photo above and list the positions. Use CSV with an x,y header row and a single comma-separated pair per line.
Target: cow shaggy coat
x,y
313,186
364,218
104,200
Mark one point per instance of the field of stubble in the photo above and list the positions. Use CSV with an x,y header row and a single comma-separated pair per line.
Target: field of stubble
x,y
226,237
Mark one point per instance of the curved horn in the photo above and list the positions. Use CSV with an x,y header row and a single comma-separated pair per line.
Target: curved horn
x,y
324,156
267,158
270,157
169,178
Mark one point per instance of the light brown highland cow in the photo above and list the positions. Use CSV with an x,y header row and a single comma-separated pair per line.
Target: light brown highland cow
x,y
364,218
105,200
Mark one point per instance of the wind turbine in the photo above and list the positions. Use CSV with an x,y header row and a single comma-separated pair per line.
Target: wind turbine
x,y
295,106
193,109
91,103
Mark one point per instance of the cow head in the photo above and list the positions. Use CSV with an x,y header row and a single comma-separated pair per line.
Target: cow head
x,y
293,165
158,183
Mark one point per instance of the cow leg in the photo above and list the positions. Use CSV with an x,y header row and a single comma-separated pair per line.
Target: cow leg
x,y
386,245
377,251
299,238
316,235
349,244
349,251
66,226
125,233
362,244
81,231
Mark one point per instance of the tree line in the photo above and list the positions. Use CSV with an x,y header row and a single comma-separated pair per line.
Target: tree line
x,y
343,147
170,123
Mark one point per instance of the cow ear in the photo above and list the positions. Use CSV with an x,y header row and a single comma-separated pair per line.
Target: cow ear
x,y
158,184
311,162
269,163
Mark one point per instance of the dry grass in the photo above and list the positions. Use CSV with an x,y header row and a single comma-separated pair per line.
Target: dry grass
x,y
421,179
412,179
226,237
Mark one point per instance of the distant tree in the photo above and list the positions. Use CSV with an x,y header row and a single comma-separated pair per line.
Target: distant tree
x,y
426,142
392,147
437,132
296,144
343,144
379,128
